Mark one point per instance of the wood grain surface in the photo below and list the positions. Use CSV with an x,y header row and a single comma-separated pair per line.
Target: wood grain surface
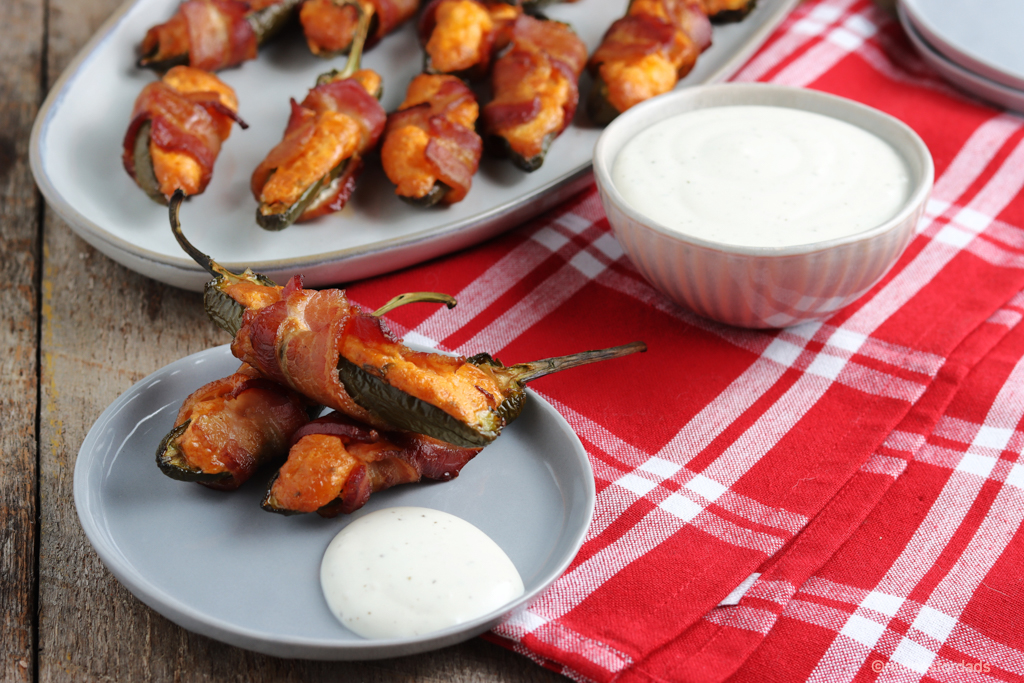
x,y
78,330
20,93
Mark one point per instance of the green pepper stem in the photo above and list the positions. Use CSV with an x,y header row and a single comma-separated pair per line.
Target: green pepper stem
x,y
355,51
211,266
415,297
219,271
526,372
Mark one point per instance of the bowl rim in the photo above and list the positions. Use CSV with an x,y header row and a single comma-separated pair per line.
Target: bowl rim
x,y
741,94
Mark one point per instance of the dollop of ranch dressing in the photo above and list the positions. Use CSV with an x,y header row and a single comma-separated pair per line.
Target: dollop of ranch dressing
x,y
761,176
406,571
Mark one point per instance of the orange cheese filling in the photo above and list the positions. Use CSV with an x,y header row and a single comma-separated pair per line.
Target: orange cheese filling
x,y
457,42
460,389
316,471
632,82
175,169
527,139
334,139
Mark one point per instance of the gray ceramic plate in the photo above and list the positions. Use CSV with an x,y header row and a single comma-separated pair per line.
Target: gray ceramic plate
x,y
984,37
76,148
217,564
968,81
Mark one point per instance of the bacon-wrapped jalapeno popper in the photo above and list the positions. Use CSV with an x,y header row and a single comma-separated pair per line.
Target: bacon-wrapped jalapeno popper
x,y
328,349
536,90
229,428
645,54
176,130
312,171
335,463
330,25
430,149
460,37
214,34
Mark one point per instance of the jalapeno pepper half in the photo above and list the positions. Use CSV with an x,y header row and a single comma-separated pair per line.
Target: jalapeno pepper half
x,y
229,428
535,85
328,349
460,37
335,463
214,34
724,11
312,171
178,124
330,25
645,54
430,149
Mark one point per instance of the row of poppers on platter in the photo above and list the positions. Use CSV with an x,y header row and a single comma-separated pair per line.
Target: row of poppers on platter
x,y
400,415
430,148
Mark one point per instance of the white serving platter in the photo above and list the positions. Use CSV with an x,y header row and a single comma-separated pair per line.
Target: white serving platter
x,y
76,158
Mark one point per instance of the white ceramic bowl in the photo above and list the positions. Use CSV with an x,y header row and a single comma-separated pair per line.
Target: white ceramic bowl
x,y
762,286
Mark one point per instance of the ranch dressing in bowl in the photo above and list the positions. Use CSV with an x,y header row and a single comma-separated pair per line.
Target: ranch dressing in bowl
x,y
406,571
761,176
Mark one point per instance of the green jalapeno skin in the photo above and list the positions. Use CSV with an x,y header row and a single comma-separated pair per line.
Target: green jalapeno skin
x,y
477,72
265,23
279,221
512,406
599,108
367,386
269,502
162,65
271,20
275,222
733,15
221,308
500,147
172,462
412,414
145,176
416,415
431,198
536,9
348,168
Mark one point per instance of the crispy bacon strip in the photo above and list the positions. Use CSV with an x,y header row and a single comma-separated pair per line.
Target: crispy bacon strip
x,y
646,52
190,113
214,33
299,341
431,139
535,86
335,464
337,121
462,36
329,27
238,423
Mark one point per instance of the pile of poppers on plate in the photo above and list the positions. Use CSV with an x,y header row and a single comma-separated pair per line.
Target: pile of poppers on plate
x,y
429,148
400,415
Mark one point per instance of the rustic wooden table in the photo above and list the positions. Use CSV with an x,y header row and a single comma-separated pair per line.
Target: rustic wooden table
x,y
77,331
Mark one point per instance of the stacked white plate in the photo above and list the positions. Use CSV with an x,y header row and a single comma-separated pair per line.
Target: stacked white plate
x,y
975,46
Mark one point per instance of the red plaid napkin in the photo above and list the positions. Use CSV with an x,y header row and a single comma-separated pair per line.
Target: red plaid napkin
x,y
856,477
